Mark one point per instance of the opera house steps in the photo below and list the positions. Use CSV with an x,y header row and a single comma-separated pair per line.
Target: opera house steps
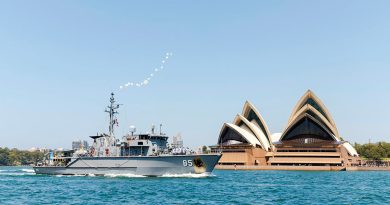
x,y
305,154
310,139
305,161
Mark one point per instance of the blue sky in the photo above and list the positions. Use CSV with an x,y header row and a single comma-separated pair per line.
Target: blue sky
x,y
59,60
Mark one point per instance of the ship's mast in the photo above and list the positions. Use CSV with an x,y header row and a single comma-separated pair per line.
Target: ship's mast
x,y
111,110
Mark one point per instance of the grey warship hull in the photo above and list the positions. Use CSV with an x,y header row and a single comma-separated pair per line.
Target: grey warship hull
x,y
140,165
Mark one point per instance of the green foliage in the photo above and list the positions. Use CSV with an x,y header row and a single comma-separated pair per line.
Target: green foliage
x,y
377,151
205,150
15,157
4,156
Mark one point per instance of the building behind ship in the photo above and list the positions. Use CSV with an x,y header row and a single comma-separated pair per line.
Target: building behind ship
x,y
80,144
177,141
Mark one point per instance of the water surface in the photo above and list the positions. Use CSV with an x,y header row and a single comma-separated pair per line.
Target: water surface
x,y
22,186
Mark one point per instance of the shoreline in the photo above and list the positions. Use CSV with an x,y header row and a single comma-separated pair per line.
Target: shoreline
x,y
300,168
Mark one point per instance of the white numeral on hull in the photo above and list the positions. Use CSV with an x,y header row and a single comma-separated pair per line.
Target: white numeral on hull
x,y
187,163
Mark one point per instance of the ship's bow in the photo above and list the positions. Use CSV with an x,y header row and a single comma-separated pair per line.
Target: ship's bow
x,y
206,163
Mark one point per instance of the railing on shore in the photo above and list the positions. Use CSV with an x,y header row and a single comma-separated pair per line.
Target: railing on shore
x,y
375,163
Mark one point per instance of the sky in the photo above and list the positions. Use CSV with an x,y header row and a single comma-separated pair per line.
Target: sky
x,y
60,60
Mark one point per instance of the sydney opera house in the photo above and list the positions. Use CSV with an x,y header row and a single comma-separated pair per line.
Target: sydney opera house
x,y
310,138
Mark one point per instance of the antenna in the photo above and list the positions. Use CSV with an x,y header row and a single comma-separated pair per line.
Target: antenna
x,y
111,110
133,129
161,129
153,128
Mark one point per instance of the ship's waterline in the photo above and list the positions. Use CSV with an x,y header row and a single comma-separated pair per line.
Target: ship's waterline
x,y
146,166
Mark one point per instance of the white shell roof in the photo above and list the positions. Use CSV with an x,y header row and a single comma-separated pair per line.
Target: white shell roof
x,y
250,138
261,136
276,137
351,150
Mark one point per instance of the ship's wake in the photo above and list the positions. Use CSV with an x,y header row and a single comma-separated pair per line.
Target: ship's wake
x,y
124,175
188,175
103,175
27,171
16,172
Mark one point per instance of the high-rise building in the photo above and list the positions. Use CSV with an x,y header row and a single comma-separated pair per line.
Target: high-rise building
x,y
78,144
177,141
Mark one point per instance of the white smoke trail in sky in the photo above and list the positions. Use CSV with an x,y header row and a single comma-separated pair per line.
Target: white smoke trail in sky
x,y
147,80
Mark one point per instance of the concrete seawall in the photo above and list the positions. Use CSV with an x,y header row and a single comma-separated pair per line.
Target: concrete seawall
x,y
368,168
301,168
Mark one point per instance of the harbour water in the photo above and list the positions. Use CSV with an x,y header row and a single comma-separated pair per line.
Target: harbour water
x,y
20,185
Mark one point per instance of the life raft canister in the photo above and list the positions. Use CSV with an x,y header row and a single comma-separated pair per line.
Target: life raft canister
x,y
92,151
107,151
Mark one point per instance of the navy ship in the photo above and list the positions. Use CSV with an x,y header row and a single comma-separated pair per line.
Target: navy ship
x,y
135,154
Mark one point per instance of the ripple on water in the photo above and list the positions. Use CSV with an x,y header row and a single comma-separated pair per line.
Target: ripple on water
x,y
22,186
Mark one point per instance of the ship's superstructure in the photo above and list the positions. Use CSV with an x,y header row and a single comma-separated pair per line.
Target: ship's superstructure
x,y
142,154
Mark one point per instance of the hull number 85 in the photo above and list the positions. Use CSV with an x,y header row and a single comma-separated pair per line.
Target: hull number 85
x,y
187,163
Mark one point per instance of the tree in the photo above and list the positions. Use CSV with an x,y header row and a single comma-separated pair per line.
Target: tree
x,y
16,157
376,151
4,159
205,150
386,147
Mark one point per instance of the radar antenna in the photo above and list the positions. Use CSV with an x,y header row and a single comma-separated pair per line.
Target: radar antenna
x,y
111,110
